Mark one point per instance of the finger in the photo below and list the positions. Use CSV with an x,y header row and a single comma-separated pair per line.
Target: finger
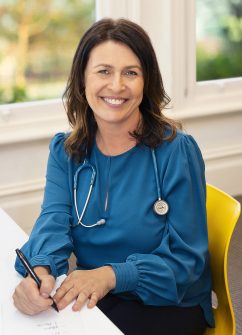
x,y
27,291
31,304
47,285
81,300
27,298
93,300
23,306
67,298
62,290
29,308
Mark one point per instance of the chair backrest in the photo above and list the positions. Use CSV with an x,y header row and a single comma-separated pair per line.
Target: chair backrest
x,y
222,214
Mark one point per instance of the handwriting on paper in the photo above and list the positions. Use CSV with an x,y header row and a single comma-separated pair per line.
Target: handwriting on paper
x,y
52,328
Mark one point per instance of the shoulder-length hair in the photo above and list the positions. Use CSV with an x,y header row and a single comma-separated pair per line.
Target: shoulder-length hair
x,y
151,132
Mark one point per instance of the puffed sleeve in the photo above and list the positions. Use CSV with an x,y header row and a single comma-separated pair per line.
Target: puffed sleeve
x,y
50,242
164,276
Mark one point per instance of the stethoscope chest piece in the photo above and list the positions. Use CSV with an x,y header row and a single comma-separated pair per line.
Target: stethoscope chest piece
x,y
161,207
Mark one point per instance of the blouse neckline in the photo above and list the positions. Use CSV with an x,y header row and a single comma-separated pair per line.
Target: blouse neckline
x,y
123,154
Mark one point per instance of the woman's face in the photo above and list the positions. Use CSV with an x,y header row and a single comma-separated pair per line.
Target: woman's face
x,y
114,84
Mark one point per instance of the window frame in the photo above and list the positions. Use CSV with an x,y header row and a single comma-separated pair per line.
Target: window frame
x,y
31,120
27,121
204,97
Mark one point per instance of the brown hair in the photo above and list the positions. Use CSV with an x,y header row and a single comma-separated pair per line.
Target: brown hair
x,y
155,99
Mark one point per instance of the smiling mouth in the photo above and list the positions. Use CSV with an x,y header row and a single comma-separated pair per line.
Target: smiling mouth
x,y
114,101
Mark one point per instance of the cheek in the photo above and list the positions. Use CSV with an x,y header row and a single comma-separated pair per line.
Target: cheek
x,y
93,87
139,93
139,88
91,92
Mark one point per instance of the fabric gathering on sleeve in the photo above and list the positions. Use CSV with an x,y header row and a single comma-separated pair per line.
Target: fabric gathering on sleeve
x,y
50,243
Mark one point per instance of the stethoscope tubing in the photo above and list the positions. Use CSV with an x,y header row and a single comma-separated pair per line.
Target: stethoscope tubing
x,y
157,179
85,165
160,207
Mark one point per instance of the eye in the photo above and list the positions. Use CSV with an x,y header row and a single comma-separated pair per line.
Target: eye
x,y
104,71
131,73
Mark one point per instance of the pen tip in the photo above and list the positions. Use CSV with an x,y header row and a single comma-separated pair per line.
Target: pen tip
x,y
55,307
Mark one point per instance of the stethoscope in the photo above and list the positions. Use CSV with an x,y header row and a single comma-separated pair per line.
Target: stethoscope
x,y
160,206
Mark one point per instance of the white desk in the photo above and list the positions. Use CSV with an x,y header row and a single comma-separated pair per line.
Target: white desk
x,y
88,321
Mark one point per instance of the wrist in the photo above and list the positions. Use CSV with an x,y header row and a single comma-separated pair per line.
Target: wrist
x,y
42,270
111,276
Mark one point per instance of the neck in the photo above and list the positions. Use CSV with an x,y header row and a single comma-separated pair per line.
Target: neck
x,y
112,145
115,140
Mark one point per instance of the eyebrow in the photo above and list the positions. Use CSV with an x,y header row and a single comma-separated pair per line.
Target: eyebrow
x,y
126,67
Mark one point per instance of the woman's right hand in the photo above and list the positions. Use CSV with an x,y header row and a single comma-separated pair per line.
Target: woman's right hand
x,y
31,300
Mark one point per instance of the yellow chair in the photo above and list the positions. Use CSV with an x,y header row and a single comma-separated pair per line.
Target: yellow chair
x,y
222,213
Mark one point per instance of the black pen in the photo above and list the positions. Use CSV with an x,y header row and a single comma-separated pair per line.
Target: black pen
x,y
31,272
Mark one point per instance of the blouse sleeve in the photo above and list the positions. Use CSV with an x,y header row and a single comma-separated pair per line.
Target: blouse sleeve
x,y
50,242
165,275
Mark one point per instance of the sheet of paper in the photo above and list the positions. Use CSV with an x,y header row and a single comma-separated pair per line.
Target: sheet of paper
x,y
66,322
13,322
49,322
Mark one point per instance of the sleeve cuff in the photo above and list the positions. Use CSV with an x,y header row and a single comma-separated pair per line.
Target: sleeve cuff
x,y
126,276
38,260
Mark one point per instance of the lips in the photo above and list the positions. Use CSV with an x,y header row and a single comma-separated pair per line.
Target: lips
x,y
114,101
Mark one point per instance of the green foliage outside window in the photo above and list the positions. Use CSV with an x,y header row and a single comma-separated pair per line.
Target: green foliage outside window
x,y
219,54
37,43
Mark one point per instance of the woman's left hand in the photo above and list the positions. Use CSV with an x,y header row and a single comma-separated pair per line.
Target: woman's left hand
x,y
83,285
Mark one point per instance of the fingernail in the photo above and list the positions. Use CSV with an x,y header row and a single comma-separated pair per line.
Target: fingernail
x,y
75,308
60,306
44,295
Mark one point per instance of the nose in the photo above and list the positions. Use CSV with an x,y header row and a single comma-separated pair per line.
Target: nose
x,y
117,83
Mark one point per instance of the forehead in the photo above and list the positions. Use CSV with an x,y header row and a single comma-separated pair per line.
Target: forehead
x,y
112,53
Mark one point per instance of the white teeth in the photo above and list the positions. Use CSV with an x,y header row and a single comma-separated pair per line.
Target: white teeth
x,y
114,101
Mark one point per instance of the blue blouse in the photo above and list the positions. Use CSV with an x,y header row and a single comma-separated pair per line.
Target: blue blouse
x,y
161,260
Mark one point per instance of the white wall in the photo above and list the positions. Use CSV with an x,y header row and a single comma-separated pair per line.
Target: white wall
x,y
25,134
25,130
21,179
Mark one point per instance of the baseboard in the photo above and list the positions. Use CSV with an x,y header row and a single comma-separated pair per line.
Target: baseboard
x,y
26,187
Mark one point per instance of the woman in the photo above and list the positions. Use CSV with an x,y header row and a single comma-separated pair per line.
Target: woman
x,y
125,191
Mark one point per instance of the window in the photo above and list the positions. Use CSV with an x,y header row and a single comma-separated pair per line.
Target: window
x,y
37,43
173,33
194,96
219,39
